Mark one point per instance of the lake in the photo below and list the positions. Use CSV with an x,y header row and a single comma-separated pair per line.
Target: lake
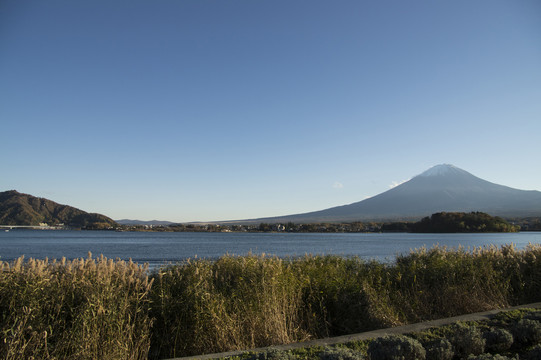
x,y
156,248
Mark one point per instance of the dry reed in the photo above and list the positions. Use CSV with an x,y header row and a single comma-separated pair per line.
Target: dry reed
x,y
79,309
105,309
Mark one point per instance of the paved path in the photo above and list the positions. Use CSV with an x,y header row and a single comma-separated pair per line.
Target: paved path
x,y
405,329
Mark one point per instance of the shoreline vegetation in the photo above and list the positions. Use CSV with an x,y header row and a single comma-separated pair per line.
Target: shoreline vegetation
x,y
443,222
101,308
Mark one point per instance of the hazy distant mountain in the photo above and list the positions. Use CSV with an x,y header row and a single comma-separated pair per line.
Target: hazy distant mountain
x,y
142,222
440,188
24,209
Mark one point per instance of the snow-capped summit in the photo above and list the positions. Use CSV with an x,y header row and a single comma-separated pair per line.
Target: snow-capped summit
x,y
442,169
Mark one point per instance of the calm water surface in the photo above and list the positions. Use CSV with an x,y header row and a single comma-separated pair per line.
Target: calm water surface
x,y
160,248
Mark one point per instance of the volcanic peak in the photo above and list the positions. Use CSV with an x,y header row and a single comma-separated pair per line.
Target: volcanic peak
x,y
442,170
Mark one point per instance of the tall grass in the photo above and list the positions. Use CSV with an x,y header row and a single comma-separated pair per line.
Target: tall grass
x,y
250,301
232,303
445,282
104,309
80,309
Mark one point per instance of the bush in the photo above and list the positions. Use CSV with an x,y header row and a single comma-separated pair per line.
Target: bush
x,y
467,340
498,340
534,315
339,353
439,349
489,357
533,354
396,347
527,332
272,354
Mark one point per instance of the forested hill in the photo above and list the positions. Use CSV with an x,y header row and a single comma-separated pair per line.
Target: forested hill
x,y
459,222
23,209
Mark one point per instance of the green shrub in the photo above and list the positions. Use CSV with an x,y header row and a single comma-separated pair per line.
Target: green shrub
x,y
508,318
533,315
489,357
533,354
527,332
339,353
467,340
439,349
272,354
396,347
498,340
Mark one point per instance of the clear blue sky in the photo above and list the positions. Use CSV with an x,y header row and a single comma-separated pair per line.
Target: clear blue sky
x,y
216,110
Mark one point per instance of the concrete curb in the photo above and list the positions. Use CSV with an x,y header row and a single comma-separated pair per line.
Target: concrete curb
x,y
405,329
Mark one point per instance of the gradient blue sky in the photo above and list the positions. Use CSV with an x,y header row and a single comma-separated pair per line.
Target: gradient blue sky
x,y
216,110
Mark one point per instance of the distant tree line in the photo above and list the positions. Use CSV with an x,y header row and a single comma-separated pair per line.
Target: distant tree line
x,y
455,222
528,224
443,222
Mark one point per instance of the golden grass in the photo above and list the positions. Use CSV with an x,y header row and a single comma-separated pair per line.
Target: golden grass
x,y
105,309
79,309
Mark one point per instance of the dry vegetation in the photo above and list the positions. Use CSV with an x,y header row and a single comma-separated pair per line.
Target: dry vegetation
x,y
80,309
104,309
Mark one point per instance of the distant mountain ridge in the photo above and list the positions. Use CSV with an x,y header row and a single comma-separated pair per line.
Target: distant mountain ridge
x,y
441,188
23,209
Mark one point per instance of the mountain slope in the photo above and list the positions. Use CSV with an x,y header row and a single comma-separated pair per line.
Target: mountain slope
x,y
440,188
24,209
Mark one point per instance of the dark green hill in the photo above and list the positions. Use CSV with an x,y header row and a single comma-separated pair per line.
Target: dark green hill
x,y
459,222
24,209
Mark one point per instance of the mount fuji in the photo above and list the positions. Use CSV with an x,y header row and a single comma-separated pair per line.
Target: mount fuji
x,y
441,188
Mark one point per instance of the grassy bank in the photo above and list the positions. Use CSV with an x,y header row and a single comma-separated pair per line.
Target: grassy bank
x,y
99,308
